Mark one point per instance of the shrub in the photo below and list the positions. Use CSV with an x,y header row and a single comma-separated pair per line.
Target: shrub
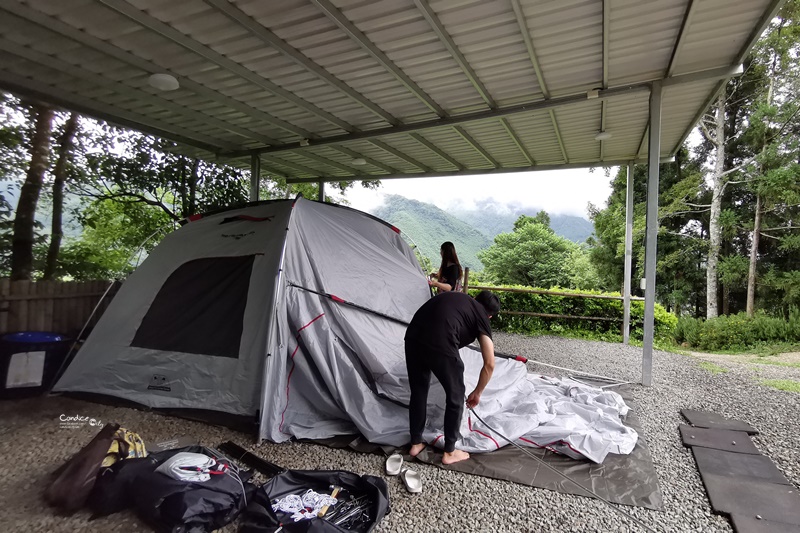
x,y
665,322
739,331
687,330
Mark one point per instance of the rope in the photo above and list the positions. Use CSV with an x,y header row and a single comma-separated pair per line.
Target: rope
x,y
590,491
606,378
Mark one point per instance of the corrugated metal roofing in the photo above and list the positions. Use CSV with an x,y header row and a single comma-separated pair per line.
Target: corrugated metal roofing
x,y
412,86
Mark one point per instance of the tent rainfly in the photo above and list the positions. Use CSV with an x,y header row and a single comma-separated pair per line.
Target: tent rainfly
x,y
229,314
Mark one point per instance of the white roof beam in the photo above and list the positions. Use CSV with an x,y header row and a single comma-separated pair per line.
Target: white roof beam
x,y
301,168
679,42
541,105
479,172
471,75
526,37
438,151
558,135
81,37
167,31
120,88
397,153
270,38
91,107
763,22
477,147
517,141
326,161
269,170
356,155
603,108
358,36
449,43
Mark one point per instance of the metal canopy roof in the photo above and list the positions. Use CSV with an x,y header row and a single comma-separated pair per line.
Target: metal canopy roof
x,y
413,87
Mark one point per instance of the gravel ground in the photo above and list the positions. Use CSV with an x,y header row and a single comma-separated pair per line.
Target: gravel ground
x,y
32,444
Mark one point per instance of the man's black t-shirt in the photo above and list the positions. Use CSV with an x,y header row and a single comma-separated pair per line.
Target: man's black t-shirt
x,y
448,322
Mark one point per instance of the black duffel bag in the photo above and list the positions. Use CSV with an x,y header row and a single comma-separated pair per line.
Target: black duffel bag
x,y
260,518
168,504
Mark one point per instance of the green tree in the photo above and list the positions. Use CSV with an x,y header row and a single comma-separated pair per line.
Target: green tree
x,y
25,216
531,255
680,279
115,236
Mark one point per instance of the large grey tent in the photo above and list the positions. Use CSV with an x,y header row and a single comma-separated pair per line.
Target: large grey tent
x,y
241,312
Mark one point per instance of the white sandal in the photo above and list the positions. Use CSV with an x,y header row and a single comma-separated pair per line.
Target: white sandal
x,y
412,480
394,464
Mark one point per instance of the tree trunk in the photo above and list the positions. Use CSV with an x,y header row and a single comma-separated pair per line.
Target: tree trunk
x,y
182,189
751,273
726,299
22,241
59,179
714,230
193,179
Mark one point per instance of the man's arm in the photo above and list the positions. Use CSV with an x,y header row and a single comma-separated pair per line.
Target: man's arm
x,y
487,350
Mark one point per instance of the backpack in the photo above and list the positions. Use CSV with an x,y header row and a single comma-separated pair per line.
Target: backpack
x,y
73,481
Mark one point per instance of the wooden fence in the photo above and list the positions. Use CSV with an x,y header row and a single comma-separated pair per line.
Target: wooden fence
x,y
466,286
57,306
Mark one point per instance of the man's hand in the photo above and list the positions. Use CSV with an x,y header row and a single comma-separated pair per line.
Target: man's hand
x,y
473,399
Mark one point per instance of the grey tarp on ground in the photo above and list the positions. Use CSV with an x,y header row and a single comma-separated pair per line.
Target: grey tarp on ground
x,y
625,479
307,365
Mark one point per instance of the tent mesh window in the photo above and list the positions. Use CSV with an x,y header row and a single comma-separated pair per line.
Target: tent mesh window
x,y
199,309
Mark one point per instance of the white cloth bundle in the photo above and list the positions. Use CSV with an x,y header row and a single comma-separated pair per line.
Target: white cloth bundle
x,y
187,466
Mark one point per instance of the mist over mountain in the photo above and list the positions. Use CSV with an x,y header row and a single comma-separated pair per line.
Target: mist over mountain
x,y
428,226
492,218
471,229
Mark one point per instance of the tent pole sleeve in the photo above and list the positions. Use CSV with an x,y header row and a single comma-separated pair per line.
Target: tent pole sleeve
x,y
626,317
271,332
255,174
342,301
653,151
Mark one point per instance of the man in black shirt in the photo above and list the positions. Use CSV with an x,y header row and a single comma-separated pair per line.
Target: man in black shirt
x,y
442,326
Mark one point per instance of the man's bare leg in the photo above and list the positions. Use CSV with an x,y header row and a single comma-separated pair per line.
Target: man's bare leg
x,y
416,448
454,457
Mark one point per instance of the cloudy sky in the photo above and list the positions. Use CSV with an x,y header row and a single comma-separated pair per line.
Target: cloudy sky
x,y
557,192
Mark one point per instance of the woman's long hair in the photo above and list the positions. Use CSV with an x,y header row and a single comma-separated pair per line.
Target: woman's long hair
x,y
449,256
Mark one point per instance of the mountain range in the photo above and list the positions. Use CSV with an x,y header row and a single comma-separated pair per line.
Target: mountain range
x,y
471,230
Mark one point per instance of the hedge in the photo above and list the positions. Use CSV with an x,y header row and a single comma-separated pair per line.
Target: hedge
x,y
738,331
665,322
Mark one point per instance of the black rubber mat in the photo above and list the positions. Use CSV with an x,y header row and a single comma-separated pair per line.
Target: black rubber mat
x,y
738,465
719,439
707,419
751,524
779,503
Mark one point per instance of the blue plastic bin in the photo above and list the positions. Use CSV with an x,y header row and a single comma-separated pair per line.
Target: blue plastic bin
x,y
29,361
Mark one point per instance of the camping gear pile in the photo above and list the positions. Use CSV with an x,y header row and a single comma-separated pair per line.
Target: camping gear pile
x,y
198,489
292,313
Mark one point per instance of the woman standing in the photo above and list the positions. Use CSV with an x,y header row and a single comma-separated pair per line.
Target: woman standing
x,y
449,275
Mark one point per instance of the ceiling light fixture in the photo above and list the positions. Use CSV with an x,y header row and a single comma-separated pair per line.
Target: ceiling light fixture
x,y
359,162
163,82
602,135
